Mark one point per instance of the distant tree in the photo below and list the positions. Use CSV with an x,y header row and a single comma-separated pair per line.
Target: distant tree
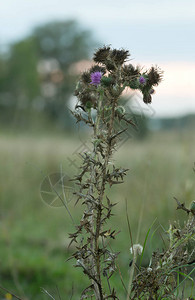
x,y
36,73
64,41
23,77
60,44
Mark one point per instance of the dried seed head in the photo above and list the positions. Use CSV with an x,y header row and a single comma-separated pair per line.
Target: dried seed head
x,y
137,249
97,68
87,99
85,77
147,98
130,70
101,55
119,56
155,76
149,269
110,65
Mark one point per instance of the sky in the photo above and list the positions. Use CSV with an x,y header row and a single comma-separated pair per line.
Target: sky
x,y
156,32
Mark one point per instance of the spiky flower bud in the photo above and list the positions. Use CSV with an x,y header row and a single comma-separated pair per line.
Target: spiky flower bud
x,y
134,84
88,104
107,81
120,110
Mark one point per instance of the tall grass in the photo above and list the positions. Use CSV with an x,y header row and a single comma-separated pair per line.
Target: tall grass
x,y
34,237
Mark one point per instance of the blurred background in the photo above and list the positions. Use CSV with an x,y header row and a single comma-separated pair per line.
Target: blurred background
x,y
44,46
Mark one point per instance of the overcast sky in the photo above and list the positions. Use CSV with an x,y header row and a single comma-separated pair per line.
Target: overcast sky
x,y
155,31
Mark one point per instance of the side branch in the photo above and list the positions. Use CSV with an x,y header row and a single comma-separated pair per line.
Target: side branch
x,y
182,206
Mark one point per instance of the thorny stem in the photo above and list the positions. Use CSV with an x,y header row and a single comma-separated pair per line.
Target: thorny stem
x,y
95,223
96,187
102,189
95,261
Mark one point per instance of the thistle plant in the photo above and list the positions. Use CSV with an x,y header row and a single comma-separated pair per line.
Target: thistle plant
x,y
99,92
162,278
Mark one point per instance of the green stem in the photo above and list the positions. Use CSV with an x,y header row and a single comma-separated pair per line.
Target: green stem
x,y
99,212
99,110
131,274
94,260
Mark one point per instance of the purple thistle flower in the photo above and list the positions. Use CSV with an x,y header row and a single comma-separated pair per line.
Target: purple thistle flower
x,y
96,77
142,80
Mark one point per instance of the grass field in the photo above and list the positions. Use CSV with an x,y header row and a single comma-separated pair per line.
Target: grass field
x,y
34,236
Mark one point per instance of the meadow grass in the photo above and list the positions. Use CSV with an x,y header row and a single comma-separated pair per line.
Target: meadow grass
x,y
34,236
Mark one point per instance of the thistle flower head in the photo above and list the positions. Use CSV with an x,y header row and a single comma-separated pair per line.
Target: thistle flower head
x,y
136,249
142,80
96,78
